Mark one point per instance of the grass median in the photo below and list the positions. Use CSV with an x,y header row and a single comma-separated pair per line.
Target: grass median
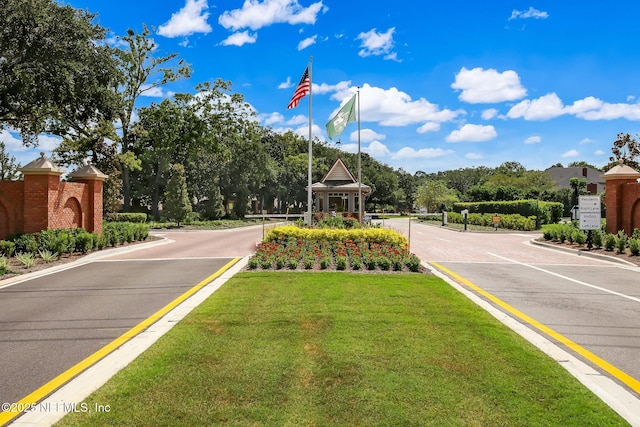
x,y
320,349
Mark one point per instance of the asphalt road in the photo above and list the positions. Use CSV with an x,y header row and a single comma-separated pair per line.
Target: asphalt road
x,y
50,323
592,302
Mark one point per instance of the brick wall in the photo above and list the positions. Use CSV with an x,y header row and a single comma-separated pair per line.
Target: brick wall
x,y
43,202
623,205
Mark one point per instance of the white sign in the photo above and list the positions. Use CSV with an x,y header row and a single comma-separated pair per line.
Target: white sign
x,y
589,207
589,204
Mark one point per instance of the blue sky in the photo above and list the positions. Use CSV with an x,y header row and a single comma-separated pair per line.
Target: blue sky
x,y
444,85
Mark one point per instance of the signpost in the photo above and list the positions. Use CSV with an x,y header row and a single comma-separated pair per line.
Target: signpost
x,y
589,212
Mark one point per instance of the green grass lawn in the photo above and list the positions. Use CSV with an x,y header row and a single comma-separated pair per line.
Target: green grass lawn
x,y
338,349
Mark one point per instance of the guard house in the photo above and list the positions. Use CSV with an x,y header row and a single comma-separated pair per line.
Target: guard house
x,y
338,190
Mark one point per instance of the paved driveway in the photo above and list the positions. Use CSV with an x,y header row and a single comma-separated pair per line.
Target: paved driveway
x,y
594,303
50,323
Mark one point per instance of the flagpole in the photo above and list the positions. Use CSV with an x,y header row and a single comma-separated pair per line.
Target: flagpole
x,y
310,177
360,210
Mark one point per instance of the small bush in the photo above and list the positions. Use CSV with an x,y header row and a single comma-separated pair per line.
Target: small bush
x,y
7,248
596,236
47,256
25,243
621,242
634,246
609,242
4,265
27,259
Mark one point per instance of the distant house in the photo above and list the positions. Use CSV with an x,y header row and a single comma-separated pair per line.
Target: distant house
x,y
562,177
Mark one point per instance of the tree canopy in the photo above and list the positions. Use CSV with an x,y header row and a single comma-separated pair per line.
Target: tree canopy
x,y
55,69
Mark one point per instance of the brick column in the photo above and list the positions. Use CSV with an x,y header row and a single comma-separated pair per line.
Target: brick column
x,y
41,184
93,179
622,191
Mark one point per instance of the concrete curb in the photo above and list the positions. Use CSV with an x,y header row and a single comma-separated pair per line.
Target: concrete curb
x,y
581,252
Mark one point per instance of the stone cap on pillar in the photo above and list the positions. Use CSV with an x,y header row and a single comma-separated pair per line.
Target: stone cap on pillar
x,y
41,166
621,171
88,172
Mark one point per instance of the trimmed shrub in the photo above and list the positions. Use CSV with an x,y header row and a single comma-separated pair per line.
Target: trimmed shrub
x,y
127,217
609,242
634,246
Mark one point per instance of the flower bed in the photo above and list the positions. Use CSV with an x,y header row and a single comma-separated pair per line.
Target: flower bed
x,y
296,248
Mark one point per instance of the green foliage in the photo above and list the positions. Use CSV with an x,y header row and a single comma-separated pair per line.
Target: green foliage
x,y
7,248
4,265
127,217
549,212
634,246
596,236
511,222
177,206
47,256
433,194
610,241
56,69
621,242
25,243
27,259
8,165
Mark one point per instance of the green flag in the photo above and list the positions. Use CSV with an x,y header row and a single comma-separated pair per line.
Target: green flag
x,y
346,115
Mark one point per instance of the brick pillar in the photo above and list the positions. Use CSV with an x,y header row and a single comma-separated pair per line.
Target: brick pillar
x,y
93,179
41,185
621,193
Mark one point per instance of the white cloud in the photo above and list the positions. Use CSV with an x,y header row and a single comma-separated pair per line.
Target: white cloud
x,y
391,107
472,133
307,42
571,153
239,39
298,119
474,156
153,92
599,153
530,13
532,140
286,85
343,89
586,141
374,43
48,143
191,19
375,149
550,106
488,86
543,108
255,14
366,135
423,153
270,119
429,127
489,114
10,141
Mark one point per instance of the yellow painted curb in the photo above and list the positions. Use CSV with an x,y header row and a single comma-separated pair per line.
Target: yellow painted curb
x,y
39,394
601,363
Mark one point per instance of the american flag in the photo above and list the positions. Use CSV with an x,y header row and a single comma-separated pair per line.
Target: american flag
x,y
301,91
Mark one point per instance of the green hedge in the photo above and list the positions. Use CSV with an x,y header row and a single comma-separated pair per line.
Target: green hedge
x,y
127,217
74,240
548,212
511,222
